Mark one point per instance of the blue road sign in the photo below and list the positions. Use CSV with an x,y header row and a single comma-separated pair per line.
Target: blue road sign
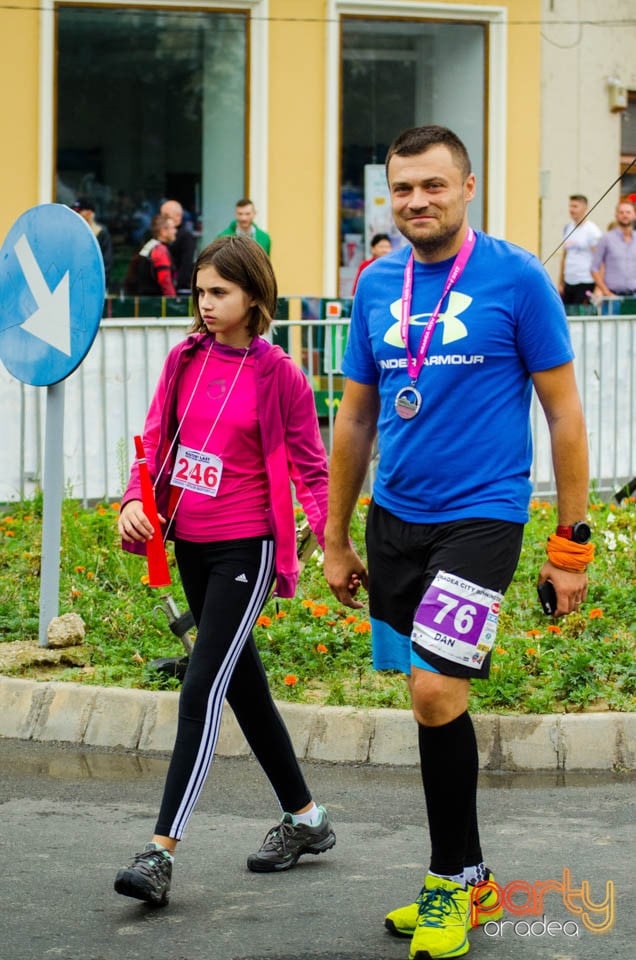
x,y
51,294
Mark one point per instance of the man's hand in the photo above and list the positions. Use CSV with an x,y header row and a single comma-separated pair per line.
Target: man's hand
x,y
345,573
570,587
134,525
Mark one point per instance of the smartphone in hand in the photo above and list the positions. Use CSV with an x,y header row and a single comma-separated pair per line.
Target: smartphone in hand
x,y
547,597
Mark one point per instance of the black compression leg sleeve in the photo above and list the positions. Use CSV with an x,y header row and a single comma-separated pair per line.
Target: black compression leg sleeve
x,y
449,764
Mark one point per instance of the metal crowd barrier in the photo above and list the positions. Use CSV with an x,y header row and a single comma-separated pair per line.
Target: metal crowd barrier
x,y
107,396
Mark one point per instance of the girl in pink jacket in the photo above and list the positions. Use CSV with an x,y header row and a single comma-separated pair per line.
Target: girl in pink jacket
x,y
232,421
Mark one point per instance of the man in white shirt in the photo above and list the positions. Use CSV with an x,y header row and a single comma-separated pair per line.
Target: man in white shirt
x,y
575,277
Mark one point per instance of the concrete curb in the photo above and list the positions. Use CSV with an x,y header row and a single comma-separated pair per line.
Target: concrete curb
x,y
146,720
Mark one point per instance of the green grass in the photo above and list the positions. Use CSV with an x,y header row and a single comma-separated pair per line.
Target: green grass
x,y
313,649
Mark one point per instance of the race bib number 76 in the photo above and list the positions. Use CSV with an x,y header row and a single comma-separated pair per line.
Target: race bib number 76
x,y
457,620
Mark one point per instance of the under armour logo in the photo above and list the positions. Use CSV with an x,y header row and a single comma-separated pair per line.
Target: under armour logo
x,y
454,328
241,578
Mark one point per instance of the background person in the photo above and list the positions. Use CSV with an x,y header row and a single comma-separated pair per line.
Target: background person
x,y
244,418
447,338
614,259
380,246
183,247
244,226
575,277
86,209
151,270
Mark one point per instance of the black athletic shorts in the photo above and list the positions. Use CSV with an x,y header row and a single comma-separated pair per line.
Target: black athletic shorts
x,y
403,560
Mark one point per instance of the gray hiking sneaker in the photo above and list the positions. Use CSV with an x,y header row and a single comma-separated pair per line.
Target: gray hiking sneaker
x,y
288,841
148,876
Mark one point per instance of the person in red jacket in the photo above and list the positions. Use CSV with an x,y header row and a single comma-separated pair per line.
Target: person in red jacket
x,y
151,270
380,246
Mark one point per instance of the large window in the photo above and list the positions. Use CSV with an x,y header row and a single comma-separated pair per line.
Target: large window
x,y
398,74
151,105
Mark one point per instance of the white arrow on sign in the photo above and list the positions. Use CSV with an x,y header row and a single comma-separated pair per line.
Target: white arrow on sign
x,y
51,321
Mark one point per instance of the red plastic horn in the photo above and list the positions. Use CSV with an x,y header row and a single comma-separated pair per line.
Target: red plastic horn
x,y
158,573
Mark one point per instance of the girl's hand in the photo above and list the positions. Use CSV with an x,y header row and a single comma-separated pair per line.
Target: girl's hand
x,y
133,523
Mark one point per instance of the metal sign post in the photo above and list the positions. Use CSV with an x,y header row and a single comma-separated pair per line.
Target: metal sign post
x,y
51,302
52,509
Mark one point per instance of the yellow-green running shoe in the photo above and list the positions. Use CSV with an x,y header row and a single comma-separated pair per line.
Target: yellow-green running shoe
x,y
443,921
485,905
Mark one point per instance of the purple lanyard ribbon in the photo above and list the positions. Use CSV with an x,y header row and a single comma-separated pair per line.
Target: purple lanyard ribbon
x,y
415,362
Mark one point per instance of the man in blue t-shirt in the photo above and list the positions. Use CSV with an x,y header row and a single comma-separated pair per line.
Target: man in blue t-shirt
x,y
448,337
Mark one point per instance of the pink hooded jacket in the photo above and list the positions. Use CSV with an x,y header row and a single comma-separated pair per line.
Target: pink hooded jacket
x,y
292,447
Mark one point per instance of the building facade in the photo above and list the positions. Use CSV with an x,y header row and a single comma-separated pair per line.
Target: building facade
x,y
293,104
290,102
588,111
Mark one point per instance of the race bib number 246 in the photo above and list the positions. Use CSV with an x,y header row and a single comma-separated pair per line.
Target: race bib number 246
x,y
197,471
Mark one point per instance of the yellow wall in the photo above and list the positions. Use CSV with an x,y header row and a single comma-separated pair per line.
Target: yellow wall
x,y
524,124
19,55
296,144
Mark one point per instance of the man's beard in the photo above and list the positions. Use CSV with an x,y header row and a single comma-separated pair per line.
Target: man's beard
x,y
431,246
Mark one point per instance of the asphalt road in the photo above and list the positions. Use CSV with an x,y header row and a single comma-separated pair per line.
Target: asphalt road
x,y
71,817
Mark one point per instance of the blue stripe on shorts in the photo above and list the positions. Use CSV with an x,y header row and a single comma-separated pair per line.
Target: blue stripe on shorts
x,y
393,650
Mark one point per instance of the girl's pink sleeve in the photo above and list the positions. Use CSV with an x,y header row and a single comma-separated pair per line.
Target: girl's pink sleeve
x,y
151,435
306,455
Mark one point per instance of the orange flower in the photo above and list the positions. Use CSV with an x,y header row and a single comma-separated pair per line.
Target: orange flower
x,y
80,569
531,652
533,633
307,603
363,627
8,520
281,614
290,680
607,639
350,619
500,650
553,629
27,516
90,575
101,511
76,593
595,613
321,648
364,501
115,506
320,610
263,621
145,579
9,533
534,504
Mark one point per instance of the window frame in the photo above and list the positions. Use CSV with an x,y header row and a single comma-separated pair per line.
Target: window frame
x,y
495,107
256,106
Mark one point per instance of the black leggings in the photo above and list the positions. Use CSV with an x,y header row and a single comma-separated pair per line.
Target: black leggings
x,y
226,585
